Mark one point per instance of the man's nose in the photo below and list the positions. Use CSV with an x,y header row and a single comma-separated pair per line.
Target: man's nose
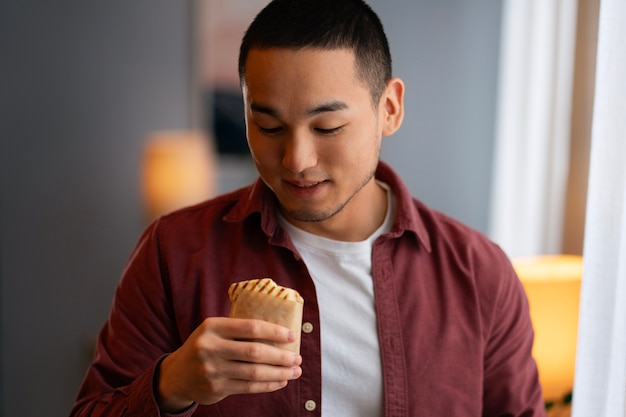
x,y
300,153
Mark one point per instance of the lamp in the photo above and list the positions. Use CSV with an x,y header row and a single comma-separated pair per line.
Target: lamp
x,y
178,170
552,284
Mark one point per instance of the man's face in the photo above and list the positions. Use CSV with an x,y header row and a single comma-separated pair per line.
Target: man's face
x,y
314,135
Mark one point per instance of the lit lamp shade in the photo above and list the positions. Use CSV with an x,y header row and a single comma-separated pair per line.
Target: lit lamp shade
x,y
552,284
178,170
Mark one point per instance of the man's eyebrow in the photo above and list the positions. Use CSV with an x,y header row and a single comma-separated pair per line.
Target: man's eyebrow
x,y
331,106
327,107
258,108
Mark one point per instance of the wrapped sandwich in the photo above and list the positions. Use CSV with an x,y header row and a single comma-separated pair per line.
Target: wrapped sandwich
x,y
263,299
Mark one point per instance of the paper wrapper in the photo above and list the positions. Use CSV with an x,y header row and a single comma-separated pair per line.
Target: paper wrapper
x,y
263,299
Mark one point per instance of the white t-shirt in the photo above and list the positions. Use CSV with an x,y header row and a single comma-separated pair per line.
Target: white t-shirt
x,y
352,383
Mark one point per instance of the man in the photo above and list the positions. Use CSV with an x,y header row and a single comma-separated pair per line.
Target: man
x,y
407,312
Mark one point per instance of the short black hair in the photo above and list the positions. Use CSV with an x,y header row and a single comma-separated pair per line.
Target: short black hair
x,y
324,24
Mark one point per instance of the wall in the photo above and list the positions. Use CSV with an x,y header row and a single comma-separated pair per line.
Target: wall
x,y
447,54
82,83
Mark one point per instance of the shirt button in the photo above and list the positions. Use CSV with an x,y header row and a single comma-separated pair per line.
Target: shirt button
x,y
296,257
307,327
310,405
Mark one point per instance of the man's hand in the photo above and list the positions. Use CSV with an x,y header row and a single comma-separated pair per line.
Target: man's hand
x,y
221,358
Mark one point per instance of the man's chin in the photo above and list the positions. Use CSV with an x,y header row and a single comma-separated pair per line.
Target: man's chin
x,y
308,215
305,216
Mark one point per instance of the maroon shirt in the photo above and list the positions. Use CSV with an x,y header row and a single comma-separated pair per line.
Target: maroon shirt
x,y
453,323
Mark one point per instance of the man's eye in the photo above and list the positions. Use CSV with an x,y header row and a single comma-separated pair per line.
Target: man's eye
x,y
331,131
269,130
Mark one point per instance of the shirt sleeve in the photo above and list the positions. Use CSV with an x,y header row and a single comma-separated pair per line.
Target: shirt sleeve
x,y
138,334
511,386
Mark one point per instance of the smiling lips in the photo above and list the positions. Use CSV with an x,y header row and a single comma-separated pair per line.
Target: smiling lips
x,y
305,185
304,190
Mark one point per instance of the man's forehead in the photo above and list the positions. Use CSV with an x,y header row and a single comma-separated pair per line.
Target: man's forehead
x,y
318,80
263,64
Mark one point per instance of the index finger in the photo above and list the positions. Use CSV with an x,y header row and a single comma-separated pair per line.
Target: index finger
x,y
254,329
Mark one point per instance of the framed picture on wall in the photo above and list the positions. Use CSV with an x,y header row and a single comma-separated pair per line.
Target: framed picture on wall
x,y
220,26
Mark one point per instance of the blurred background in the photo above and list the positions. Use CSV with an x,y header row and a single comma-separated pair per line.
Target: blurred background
x,y
83,85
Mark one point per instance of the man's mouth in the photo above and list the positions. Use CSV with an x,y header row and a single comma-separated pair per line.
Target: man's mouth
x,y
310,185
305,189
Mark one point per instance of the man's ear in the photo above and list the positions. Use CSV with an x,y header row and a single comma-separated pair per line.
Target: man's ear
x,y
392,106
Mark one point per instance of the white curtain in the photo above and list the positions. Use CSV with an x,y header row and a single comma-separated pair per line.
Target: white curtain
x,y
600,382
533,130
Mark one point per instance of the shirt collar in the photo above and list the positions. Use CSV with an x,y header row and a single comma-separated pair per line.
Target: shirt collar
x,y
408,217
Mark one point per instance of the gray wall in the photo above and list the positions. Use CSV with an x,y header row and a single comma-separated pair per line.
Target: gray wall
x,y
82,83
447,54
